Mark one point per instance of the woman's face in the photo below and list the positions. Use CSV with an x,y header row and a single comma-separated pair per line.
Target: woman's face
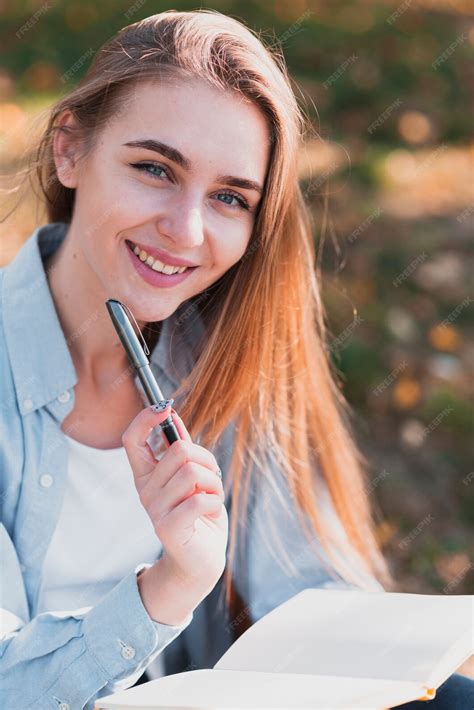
x,y
131,188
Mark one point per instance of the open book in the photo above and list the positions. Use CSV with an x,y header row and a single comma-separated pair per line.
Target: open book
x,y
327,648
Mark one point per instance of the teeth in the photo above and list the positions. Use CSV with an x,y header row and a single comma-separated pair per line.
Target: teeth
x,y
169,269
156,264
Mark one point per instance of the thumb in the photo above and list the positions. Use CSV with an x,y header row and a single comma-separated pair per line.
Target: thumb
x,y
134,440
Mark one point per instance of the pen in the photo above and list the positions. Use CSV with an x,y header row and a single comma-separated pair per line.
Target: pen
x,y
138,358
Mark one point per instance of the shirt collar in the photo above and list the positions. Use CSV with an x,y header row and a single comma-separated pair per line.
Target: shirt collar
x,y
41,362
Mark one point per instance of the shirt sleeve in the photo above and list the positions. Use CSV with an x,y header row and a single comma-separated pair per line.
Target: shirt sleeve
x,y
68,659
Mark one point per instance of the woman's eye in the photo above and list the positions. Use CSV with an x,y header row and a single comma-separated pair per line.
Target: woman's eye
x,y
242,203
145,167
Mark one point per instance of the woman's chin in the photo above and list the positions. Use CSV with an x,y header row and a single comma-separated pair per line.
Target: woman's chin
x,y
142,307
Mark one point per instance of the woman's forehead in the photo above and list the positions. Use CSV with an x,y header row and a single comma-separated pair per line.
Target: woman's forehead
x,y
195,102
207,126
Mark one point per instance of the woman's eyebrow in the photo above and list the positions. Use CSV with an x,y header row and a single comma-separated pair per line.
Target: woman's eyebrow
x,y
177,157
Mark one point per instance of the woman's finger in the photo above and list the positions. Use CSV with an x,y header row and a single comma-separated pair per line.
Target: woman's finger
x,y
185,515
137,448
180,454
188,480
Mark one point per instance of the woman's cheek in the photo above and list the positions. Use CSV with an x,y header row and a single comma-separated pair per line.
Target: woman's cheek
x,y
134,209
224,255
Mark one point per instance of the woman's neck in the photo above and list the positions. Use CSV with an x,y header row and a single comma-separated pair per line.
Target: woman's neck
x,y
80,304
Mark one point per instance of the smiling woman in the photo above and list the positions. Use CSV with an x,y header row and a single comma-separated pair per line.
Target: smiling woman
x,y
176,210
179,148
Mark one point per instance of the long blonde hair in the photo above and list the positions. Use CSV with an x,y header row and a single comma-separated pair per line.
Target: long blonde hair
x,y
265,362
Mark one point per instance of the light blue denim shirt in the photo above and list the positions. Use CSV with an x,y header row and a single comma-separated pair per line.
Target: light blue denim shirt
x,y
62,659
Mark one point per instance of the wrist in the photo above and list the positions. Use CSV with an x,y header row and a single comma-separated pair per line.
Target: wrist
x,y
164,595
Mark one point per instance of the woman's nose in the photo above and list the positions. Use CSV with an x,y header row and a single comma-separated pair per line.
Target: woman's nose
x,y
183,225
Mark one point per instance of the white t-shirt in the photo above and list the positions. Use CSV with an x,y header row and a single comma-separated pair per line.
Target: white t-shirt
x,y
103,533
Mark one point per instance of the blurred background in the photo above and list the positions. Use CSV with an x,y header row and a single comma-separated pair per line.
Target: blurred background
x,y
388,172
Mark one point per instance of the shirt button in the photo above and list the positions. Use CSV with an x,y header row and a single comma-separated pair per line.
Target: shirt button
x,y
128,652
28,403
46,480
63,706
64,397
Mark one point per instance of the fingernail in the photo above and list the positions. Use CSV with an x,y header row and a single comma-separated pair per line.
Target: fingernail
x,y
161,405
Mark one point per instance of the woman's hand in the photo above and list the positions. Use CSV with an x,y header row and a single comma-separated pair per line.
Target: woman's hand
x,y
184,499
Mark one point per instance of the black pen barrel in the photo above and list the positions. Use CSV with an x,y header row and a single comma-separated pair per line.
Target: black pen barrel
x,y
169,430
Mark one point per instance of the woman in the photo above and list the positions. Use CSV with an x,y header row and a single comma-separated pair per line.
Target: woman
x,y
178,148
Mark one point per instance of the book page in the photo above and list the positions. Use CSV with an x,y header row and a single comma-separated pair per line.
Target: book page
x,y
352,633
211,689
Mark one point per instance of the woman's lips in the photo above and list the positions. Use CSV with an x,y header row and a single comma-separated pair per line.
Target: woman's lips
x,y
156,278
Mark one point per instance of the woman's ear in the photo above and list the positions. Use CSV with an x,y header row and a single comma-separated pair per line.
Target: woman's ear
x,y
66,146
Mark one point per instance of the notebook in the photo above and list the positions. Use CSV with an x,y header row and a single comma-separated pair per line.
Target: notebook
x,y
326,648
